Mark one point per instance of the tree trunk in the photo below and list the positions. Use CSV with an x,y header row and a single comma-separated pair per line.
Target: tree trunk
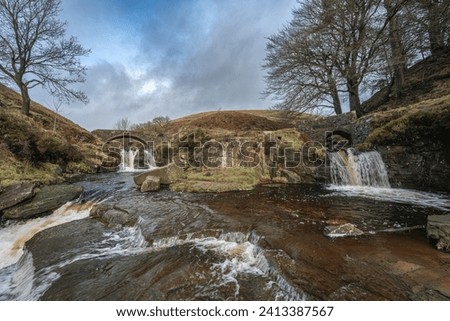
x,y
398,59
335,96
353,95
26,101
435,25
336,103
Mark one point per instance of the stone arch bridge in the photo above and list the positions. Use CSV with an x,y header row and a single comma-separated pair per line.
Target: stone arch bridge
x,y
333,131
126,137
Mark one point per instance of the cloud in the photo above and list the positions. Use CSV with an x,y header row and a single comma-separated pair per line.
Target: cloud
x,y
171,58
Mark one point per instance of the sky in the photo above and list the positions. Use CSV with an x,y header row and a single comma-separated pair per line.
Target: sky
x,y
170,58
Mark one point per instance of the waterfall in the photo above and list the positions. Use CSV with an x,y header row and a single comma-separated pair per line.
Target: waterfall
x,y
128,159
149,158
224,155
364,169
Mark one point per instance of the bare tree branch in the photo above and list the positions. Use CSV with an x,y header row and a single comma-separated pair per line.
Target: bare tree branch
x,y
33,50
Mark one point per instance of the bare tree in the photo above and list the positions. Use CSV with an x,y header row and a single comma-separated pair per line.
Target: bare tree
x,y
58,108
330,46
33,50
430,23
357,27
398,58
123,124
161,121
300,65
300,72
438,23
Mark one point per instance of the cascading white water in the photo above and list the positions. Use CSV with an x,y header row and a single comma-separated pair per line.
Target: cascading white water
x,y
128,159
224,155
19,280
364,175
364,169
16,266
149,158
14,236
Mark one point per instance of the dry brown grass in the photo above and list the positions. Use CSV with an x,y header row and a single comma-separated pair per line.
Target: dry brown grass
x,y
32,150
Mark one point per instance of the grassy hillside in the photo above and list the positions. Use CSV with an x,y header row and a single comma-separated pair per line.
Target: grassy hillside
x,y
45,147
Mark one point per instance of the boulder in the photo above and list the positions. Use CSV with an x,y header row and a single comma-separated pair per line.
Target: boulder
x,y
438,230
151,184
344,230
16,194
292,178
46,200
112,215
167,174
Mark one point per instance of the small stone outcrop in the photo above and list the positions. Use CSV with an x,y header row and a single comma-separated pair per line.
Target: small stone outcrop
x,y
46,200
167,174
151,184
292,178
438,231
16,194
344,230
112,215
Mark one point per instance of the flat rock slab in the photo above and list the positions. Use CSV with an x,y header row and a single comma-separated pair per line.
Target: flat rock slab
x,y
192,186
47,199
167,174
16,194
438,229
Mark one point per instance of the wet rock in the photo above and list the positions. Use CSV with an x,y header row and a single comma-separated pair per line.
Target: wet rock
x,y
54,244
403,267
151,184
112,215
193,186
16,194
46,200
291,177
342,230
438,230
167,174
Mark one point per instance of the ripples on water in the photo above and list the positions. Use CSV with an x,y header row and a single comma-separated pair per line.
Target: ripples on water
x,y
225,254
397,195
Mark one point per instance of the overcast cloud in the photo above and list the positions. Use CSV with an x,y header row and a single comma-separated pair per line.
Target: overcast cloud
x,y
170,58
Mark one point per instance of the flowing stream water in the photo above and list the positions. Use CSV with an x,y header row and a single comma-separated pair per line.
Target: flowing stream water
x,y
265,244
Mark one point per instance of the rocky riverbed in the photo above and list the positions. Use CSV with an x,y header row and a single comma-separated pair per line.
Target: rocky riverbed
x,y
266,244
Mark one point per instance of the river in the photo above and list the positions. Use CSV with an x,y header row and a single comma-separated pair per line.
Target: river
x,y
264,244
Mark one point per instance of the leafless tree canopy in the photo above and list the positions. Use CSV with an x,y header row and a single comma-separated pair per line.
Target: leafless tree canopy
x,y
123,124
333,50
34,52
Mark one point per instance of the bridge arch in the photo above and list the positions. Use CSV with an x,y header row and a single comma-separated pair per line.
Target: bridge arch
x,y
338,139
126,139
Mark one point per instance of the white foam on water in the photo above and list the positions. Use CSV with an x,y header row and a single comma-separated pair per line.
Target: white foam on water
x,y
16,281
20,281
15,234
397,195
238,255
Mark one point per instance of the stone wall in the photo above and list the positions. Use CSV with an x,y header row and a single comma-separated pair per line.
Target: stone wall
x,y
318,128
